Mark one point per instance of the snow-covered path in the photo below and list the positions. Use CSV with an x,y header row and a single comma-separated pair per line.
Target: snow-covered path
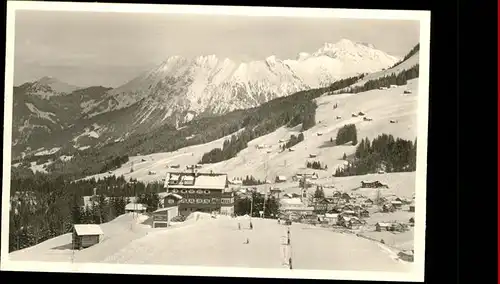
x,y
218,242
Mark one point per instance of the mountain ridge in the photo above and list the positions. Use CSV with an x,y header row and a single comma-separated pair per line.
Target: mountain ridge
x,y
173,100
193,85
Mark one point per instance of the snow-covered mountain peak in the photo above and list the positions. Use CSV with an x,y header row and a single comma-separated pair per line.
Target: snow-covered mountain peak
x,y
206,60
334,61
303,56
47,80
49,86
342,47
271,59
368,45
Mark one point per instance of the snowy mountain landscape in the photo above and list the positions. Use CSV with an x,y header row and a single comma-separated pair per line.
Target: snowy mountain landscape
x,y
305,163
180,89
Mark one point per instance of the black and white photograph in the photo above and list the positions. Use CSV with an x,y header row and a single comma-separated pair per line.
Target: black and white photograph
x,y
215,141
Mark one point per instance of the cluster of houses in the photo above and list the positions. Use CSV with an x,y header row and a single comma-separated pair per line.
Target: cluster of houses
x,y
346,209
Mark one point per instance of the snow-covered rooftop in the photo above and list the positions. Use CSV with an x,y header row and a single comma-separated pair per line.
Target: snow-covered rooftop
x,y
201,181
165,194
88,229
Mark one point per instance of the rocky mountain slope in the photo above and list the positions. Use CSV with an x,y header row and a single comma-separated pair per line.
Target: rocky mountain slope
x,y
47,106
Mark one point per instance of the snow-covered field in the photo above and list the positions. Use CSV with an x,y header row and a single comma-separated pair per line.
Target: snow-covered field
x,y
204,241
380,105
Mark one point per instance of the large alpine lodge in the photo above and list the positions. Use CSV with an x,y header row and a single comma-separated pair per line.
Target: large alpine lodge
x,y
202,192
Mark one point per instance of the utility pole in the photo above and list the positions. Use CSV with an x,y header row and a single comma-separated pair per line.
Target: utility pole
x,y
265,195
251,205
303,195
264,206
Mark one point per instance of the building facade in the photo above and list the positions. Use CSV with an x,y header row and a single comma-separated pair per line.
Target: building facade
x,y
201,192
86,235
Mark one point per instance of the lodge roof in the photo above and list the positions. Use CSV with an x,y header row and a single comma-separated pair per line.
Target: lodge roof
x,y
201,180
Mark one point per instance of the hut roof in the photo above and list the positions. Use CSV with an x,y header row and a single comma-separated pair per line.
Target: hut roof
x,y
88,229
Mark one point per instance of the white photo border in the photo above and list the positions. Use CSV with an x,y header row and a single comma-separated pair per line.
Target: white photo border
x,y
416,275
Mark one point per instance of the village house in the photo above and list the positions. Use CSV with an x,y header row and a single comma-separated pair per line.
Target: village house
x,y
342,220
412,207
335,209
379,227
275,192
86,235
323,204
368,202
280,179
406,201
412,221
348,207
200,192
357,207
336,194
330,218
345,196
399,227
388,207
363,213
392,227
406,255
396,204
381,200
354,223
373,184
351,222
348,213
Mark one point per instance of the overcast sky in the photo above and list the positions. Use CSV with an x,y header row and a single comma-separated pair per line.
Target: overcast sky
x,y
91,48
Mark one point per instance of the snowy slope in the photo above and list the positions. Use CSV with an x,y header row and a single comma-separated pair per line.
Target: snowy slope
x,y
405,65
381,105
117,233
222,245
